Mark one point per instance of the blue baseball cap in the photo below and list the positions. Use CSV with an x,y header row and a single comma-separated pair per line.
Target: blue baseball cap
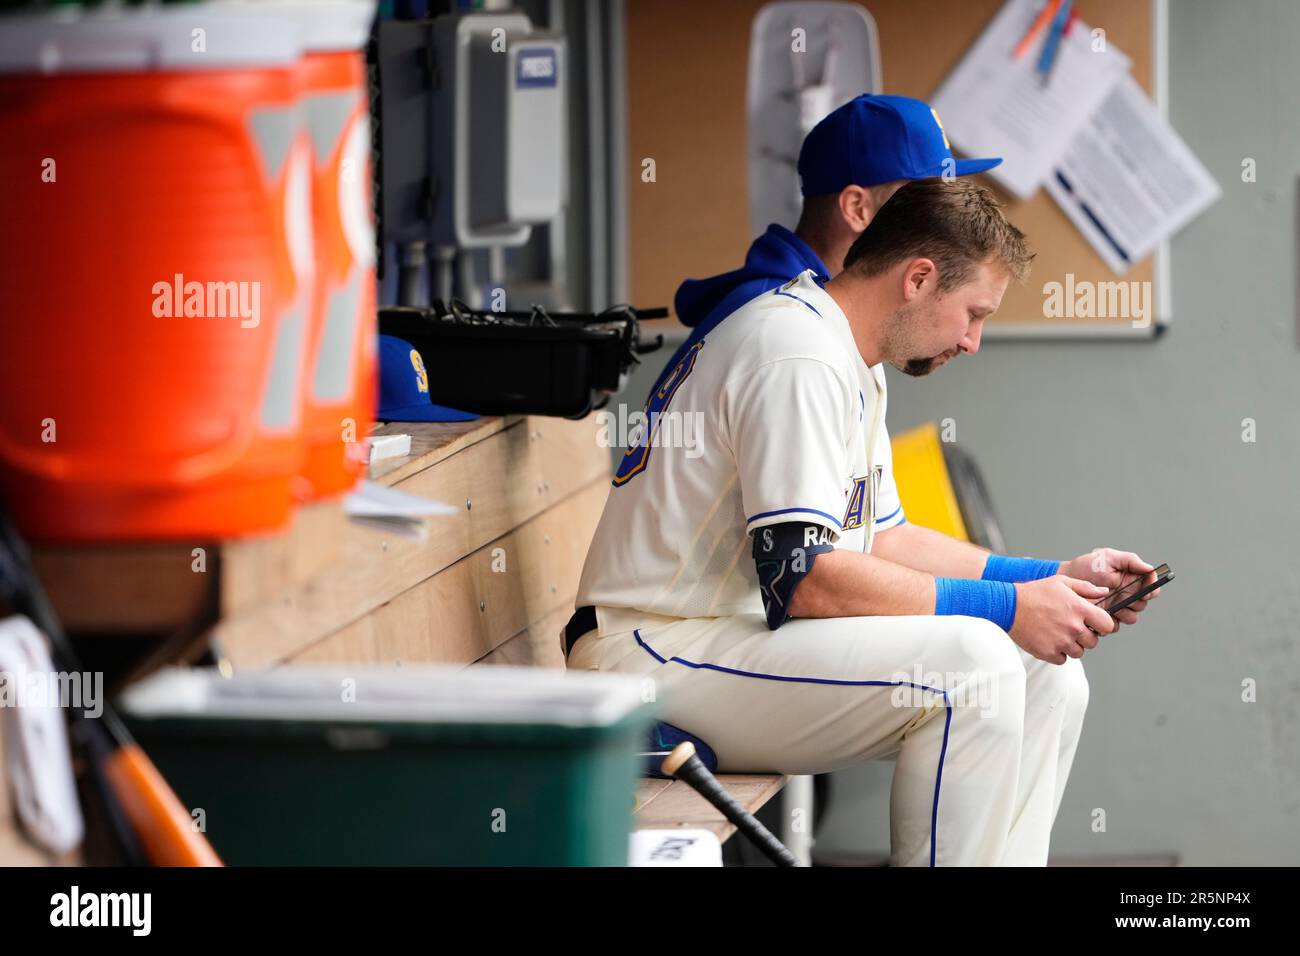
x,y
874,139
404,386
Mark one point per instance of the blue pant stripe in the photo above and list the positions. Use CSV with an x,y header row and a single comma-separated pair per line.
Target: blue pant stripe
x,y
947,723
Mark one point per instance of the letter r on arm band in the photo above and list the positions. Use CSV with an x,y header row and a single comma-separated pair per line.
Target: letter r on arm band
x,y
783,555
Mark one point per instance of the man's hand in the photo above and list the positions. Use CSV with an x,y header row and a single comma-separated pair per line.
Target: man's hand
x,y
1053,617
1110,569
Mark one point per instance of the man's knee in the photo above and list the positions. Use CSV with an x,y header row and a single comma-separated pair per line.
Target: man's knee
x,y
1061,685
982,671
988,647
1075,683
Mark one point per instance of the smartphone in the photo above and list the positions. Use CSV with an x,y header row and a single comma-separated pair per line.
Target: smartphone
x,y
1134,590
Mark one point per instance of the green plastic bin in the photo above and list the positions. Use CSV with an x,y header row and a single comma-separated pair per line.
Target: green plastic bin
x,y
412,766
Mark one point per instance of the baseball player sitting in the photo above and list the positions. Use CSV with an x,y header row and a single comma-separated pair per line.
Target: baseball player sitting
x,y
767,582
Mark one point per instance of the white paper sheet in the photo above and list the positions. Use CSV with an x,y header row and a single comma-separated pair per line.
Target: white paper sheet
x,y
679,847
996,105
373,500
39,761
392,511
1128,181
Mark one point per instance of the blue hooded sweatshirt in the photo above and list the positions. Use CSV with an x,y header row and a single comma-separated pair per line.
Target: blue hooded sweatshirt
x,y
775,257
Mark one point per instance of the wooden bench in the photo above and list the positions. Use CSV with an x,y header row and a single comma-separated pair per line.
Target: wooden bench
x,y
671,804
528,493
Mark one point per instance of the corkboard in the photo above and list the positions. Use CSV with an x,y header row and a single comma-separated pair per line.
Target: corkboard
x,y
686,63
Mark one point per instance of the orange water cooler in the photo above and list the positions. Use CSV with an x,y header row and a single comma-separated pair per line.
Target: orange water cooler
x,y
341,385
163,313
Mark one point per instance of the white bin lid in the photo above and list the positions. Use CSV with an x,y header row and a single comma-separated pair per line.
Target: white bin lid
x,y
417,693
139,39
327,26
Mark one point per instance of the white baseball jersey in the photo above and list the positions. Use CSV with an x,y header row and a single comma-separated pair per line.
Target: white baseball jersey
x,y
773,417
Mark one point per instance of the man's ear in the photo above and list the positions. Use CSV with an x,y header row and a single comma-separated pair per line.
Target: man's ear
x,y
919,276
857,206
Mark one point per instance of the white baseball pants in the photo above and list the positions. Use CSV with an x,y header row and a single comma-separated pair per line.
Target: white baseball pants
x,y
984,733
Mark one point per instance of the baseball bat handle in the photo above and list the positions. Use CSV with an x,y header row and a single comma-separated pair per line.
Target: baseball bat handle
x,y
163,825
683,764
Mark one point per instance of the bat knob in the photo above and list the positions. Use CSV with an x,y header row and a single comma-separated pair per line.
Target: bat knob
x,y
683,752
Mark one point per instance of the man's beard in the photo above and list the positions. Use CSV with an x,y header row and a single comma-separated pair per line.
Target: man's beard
x,y
919,366
904,318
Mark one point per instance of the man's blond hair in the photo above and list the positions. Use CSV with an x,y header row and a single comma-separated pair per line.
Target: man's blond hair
x,y
956,223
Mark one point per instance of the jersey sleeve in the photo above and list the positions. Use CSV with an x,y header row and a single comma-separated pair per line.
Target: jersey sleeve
x,y
787,425
889,508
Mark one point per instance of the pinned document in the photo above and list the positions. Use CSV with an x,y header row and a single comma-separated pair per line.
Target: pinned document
x,y
1128,181
997,104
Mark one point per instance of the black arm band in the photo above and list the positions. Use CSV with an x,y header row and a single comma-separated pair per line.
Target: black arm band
x,y
784,554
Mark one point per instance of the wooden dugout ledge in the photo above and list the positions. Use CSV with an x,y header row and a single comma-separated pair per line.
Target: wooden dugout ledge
x,y
529,492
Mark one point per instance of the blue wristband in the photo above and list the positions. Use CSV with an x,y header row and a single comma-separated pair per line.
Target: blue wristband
x,y
1001,568
992,600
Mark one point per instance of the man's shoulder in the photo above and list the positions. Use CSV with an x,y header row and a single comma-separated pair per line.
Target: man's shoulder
x,y
782,323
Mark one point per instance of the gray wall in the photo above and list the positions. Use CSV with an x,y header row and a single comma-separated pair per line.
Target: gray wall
x,y
1178,762
1169,750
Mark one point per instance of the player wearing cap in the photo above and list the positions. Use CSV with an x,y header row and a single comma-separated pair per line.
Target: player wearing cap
x,y
744,575
849,165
